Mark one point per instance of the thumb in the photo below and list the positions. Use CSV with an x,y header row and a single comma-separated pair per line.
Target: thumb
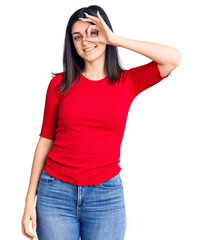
x,y
34,225
89,39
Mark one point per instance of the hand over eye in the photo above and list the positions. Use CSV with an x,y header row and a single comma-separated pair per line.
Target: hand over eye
x,y
104,33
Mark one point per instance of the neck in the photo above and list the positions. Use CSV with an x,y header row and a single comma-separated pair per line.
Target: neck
x,y
94,70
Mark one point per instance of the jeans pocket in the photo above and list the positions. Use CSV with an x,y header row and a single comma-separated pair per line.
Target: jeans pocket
x,y
46,179
112,183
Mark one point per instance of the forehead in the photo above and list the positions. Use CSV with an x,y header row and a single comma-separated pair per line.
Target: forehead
x,y
80,26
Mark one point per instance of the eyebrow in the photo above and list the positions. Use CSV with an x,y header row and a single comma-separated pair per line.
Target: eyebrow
x,y
78,32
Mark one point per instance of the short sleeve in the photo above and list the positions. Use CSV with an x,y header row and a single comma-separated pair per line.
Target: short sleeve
x,y
143,77
50,117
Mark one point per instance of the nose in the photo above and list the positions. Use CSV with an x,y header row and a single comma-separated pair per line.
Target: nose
x,y
84,42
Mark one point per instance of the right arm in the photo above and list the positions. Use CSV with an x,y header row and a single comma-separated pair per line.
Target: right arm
x,y
47,136
44,145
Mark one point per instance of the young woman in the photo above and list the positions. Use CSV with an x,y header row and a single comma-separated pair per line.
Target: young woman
x,y
76,172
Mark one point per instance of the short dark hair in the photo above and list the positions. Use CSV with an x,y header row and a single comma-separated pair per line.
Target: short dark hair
x,y
73,64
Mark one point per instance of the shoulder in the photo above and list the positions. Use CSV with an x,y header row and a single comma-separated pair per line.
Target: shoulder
x,y
127,73
53,86
144,68
56,79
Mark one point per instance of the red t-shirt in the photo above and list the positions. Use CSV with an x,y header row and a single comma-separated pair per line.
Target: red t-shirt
x,y
87,125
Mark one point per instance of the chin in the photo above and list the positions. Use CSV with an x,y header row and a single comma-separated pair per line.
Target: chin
x,y
93,57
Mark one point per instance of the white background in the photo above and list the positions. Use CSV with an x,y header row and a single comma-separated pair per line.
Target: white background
x,y
161,152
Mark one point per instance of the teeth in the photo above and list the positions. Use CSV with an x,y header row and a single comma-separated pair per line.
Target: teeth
x,y
89,49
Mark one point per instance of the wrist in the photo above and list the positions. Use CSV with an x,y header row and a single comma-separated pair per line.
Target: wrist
x,y
114,41
29,198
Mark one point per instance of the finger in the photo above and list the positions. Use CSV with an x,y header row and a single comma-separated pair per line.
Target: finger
x,y
93,40
88,20
34,223
28,236
100,17
92,29
92,33
96,19
27,231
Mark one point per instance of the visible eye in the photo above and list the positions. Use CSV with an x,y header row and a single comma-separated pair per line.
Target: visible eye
x,y
92,33
76,37
95,32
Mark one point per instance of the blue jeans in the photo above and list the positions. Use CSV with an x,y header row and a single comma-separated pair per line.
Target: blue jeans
x,y
68,212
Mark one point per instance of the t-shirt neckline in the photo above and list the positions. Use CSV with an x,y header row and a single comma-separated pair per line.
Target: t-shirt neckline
x,y
90,80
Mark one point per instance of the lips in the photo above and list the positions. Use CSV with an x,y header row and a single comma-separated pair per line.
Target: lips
x,y
89,49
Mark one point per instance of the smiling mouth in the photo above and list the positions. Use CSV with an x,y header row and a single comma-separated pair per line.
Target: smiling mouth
x,y
89,49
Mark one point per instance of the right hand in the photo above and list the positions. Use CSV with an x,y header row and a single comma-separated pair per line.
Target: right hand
x,y
29,214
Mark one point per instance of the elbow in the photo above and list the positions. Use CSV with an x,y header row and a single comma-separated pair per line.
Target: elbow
x,y
177,58
45,143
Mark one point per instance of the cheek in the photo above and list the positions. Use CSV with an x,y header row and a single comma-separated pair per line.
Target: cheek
x,y
102,48
76,47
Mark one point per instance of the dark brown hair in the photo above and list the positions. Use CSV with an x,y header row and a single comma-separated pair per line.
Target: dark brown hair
x,y
73,64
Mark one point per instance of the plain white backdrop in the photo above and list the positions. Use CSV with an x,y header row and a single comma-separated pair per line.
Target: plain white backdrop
x,y
161,153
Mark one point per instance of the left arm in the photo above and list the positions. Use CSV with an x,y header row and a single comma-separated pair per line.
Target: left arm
x,y
168,58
